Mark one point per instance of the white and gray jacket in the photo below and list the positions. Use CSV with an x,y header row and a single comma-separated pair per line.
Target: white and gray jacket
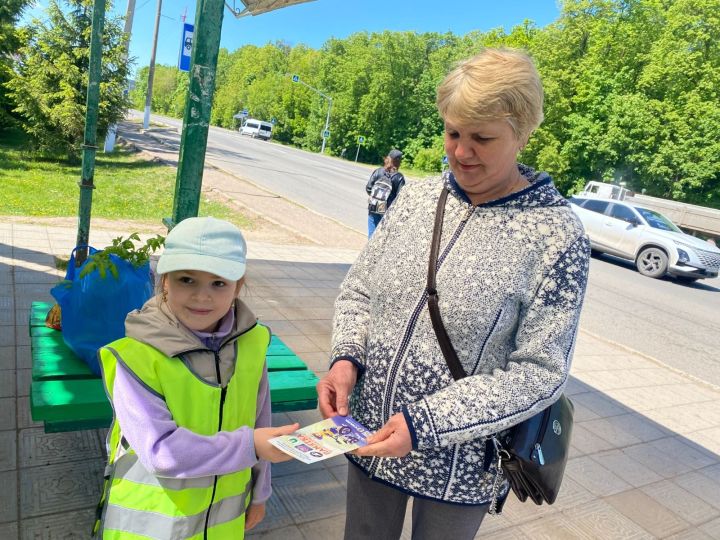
x,y
511,280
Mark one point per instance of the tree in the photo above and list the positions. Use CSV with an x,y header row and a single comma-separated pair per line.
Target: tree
x,y
49,84
167,81
10,11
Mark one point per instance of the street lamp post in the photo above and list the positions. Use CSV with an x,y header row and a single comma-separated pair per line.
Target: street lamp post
x,y
326,130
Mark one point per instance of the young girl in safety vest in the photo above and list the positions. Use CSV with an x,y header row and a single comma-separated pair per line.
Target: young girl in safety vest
x,y
188,455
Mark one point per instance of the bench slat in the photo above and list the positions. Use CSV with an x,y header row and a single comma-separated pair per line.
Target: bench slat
x,y
67,396
77,425
292,385
38,313
290,362
57,361
278,348
59,364
70,400
77,400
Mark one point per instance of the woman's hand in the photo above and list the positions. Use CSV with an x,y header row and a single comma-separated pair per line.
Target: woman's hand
x,y
391,440
254,515
335,387
265,450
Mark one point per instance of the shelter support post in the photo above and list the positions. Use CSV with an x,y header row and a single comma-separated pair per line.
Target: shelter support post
x,y
89,147
196,121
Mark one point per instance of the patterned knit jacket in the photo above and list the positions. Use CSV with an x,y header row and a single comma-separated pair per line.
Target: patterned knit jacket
x,y
511,280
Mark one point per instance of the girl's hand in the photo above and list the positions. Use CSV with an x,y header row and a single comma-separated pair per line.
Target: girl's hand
x,y
265,450
254,515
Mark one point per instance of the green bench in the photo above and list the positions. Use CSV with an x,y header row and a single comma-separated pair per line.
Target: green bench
x,y
66,396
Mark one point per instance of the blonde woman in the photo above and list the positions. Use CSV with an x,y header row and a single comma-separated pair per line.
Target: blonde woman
x,y
511,275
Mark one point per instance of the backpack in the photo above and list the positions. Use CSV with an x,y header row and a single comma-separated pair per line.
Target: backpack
x,y
380,193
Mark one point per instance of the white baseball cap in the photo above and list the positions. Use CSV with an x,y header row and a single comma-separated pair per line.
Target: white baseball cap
x,y
206,244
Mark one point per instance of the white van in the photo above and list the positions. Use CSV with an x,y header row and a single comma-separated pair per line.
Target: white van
x,y
257,129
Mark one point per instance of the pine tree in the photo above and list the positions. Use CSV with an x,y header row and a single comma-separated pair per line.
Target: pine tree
x,y
49,84
10,11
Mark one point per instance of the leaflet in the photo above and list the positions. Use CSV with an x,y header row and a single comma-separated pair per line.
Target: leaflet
x,y
322,440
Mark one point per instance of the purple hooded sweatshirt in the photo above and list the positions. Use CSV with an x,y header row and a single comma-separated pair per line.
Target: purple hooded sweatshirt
x,y
164,448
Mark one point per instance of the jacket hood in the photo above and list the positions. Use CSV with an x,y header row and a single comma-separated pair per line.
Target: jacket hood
x,y
541,191
156,326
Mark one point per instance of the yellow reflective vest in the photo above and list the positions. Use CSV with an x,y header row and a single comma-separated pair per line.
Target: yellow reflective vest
x,y
139,505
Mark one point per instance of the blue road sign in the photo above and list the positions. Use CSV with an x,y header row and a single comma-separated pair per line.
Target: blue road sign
x,y
186,47
361,139
296,78
326,134
273,120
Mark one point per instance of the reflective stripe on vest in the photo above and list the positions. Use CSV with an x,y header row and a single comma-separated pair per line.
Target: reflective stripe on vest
x,y
137,504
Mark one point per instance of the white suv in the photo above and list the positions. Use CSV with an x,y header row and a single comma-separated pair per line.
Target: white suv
x,y
652,241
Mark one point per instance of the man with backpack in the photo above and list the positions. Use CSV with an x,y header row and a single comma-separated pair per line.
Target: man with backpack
x,y
383,187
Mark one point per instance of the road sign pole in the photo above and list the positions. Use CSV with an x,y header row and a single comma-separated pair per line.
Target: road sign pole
x,y
198,104
327,124
360,140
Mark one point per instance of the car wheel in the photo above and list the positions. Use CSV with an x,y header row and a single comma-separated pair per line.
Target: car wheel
x,y
652,262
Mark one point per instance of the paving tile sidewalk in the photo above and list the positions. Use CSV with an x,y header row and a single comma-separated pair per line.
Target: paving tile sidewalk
x,y
646,444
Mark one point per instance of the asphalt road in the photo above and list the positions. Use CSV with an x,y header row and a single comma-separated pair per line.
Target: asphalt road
x,y
675,323
330,186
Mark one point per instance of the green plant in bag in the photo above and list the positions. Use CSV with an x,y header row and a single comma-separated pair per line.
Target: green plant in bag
x,y
123,248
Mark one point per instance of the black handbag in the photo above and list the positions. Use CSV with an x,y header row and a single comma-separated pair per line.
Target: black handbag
x,y
531,454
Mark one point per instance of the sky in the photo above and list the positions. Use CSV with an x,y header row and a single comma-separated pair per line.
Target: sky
x,y
315,22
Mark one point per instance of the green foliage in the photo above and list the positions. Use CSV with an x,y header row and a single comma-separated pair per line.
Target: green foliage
x,y
169,90
49,83
631,93
428,159
10,12
123,248
127,187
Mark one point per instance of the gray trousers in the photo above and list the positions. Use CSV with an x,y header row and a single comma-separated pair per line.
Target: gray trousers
x,y
376,512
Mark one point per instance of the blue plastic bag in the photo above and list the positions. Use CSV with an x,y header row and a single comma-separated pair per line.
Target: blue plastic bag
x,y
94,307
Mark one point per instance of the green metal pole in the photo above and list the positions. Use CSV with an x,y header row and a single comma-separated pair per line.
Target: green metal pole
x,y
90,139
196,122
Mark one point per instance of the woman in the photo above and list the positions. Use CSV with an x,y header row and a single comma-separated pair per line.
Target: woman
x,y
389,181
511,277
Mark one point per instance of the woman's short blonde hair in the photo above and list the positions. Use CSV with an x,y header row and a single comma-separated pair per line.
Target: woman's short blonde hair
x,y
497,83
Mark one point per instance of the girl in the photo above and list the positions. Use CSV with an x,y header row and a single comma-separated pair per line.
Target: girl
x,y
188,451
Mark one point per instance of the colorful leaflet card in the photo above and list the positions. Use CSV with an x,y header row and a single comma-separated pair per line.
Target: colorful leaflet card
x,y
324,439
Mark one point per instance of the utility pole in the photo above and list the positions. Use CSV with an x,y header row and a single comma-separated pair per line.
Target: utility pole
x,y
127,31
151,72
90,138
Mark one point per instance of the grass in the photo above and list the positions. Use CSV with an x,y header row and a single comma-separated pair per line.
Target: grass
x,y
127,187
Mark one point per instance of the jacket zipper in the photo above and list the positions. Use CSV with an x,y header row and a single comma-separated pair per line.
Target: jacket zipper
x,y
416,313
223,392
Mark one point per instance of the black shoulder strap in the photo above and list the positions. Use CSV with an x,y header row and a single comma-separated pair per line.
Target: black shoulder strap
x,y
446,347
